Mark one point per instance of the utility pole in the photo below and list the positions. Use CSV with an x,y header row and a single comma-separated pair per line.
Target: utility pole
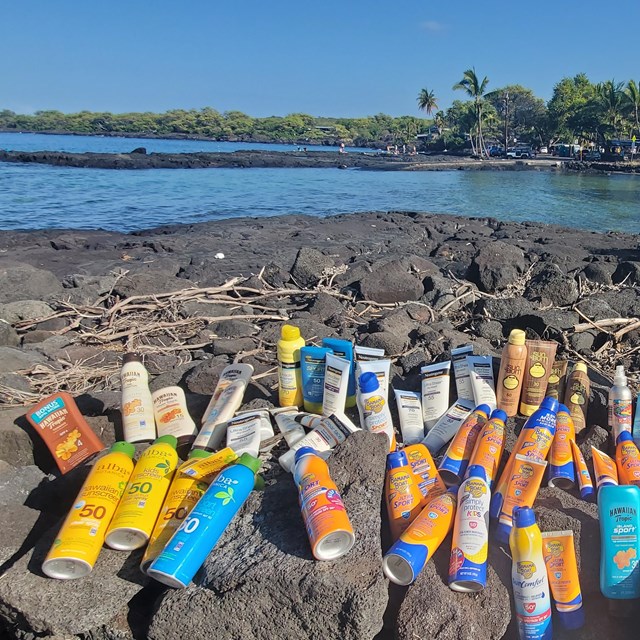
x,y
506,122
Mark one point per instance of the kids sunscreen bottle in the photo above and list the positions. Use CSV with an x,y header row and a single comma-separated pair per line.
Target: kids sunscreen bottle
x,y
78,543
328,526
138,422
138,509
183,495
529,577
289,373
200,531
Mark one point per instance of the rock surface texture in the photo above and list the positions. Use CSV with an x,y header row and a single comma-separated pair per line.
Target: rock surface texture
x,y
417,285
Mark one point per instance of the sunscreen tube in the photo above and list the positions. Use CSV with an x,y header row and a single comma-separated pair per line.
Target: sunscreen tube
x,y
461,370
456,459
364,354
214,426
327,435
312,362
243,435
289,428
424,470
481,373
582,471
344,349
470,544
540,358
336,382
408,555
380,367
604,469
522,491
229,374
561,473
207,468
375,409
489,446
627,460
559,551
410,412
266,428
447,426
435,392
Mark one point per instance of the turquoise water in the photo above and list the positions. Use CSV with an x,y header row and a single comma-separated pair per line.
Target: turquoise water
x,y
40,196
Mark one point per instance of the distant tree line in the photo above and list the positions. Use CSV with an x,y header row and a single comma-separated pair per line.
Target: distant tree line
x,y
578,110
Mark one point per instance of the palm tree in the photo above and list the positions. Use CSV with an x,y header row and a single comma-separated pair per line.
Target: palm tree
x,y
475,89
427,101
632,96
611,101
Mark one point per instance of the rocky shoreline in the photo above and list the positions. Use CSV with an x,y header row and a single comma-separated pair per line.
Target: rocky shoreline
x,y
417,285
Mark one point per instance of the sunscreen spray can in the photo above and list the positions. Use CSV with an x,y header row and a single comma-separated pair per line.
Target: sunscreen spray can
x,y
402,494
469,549
78,543
138,510
201,529
183,494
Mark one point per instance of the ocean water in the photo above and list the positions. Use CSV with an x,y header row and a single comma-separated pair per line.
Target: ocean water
x,y
39,196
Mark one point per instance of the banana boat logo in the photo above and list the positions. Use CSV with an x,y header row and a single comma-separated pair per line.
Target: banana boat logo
x,y
526,569
526,471
375,404
554,548
475,488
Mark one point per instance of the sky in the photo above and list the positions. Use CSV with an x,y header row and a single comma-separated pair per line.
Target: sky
x,y
343,58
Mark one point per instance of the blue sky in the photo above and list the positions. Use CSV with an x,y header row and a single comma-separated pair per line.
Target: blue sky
x,y
338,58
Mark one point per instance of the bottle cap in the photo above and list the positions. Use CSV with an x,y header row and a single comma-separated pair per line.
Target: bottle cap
x,y
563,408
620,379
172,441
304,451
517,336
477,471
499,414
397,459
550,403
198,453
572,620
123,447
580,366
523,517
131,357
624,436
247,460
485,408
289,332
369,382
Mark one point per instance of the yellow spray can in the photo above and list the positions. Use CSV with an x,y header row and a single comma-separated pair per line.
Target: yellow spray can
x,y
78,543
183,494
138,510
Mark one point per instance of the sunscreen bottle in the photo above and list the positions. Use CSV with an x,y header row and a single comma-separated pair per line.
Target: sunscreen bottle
x,y
582,472
200,531
425,472
529,577
375,408
138,422
576,395
402,494
138,509
325,518
489,446
619,514
561,471
78,543
344,349
512,365
289,373
620,404
627,459
470,545
408,555
172,415
183,495
312,361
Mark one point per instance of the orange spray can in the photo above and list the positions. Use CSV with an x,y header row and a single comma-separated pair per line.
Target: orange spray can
x,y
488,449
402,494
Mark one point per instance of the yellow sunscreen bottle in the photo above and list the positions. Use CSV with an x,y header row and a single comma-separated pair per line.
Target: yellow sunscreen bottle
x,y
289,372
138,510
78,543
183,494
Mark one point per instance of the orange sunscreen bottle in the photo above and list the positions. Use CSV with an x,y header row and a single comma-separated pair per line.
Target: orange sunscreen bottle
x,y
425,471
402,495
561,472
488,449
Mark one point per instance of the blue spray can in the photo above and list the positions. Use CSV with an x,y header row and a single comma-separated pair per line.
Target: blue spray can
x,y
344,349
190,545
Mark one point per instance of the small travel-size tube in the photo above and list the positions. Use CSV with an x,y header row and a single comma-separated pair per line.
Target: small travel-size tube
x,y
540,358
425,471
627,460
313,364
461,371
557,380
336,383
523,488
636,423
344,349
266,428
209,467
482,383
410,412
243,435
584,478
448,424
559,551
455,460
289,428
229,374
364,354
435,392
604,469
561,470
327,435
